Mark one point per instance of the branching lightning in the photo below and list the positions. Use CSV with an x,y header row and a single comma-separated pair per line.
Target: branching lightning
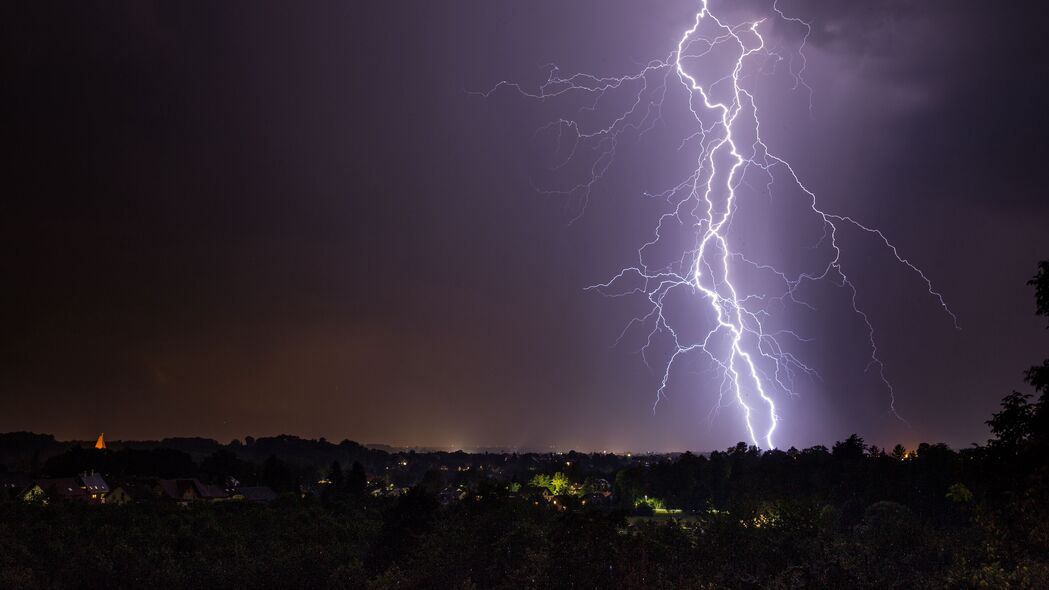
x,y
754,362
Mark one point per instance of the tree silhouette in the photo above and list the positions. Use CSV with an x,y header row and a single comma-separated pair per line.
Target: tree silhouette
x,y
1038,375
1040,282
336,477
1013,425
357,482
850,449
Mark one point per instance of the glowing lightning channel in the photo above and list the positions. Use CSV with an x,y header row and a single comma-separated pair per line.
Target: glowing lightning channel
x,y
752,361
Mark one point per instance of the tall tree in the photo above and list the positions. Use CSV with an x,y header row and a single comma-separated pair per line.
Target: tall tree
x,y
357,482
336,477
899,452
1038,375
1013,425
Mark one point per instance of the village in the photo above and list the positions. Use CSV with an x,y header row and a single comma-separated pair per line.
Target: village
x,y
91,487
223,476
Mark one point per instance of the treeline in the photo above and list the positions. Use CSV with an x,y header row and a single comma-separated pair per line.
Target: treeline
x,y
30,452
850,475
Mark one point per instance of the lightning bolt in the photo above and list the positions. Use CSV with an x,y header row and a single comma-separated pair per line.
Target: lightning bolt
x,y
753,361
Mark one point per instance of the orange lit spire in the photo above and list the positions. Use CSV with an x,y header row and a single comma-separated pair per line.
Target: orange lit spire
x,y
101,442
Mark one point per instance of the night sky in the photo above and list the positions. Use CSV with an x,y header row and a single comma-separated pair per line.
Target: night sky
x,y
231,219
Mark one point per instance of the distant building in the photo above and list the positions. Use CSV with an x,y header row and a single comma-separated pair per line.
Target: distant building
x,y
120,496
89,487
181,490
210,492
62,488
95,487
14,482
596,500
129,492
257,494
188,490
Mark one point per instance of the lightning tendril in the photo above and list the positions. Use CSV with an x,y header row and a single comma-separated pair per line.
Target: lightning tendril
x,y
753,361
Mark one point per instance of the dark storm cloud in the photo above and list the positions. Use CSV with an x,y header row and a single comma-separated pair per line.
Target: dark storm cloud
x,y
980,67
230,219
882,27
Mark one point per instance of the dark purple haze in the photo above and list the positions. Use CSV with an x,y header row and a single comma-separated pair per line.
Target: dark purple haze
x,y
225,220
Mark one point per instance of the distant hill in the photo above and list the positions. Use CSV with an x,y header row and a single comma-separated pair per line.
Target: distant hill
x,y
27,451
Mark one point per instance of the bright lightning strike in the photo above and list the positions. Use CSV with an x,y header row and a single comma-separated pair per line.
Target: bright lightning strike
x,y
753,361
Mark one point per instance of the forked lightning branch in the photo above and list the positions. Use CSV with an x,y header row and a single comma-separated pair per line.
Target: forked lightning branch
x,y
754,363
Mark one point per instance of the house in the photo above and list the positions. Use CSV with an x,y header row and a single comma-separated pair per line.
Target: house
x,y
88,486
188,490
210,493
120,495
93,484
35,493
129,492
256,494
180,490
11,483
597,500
62,488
